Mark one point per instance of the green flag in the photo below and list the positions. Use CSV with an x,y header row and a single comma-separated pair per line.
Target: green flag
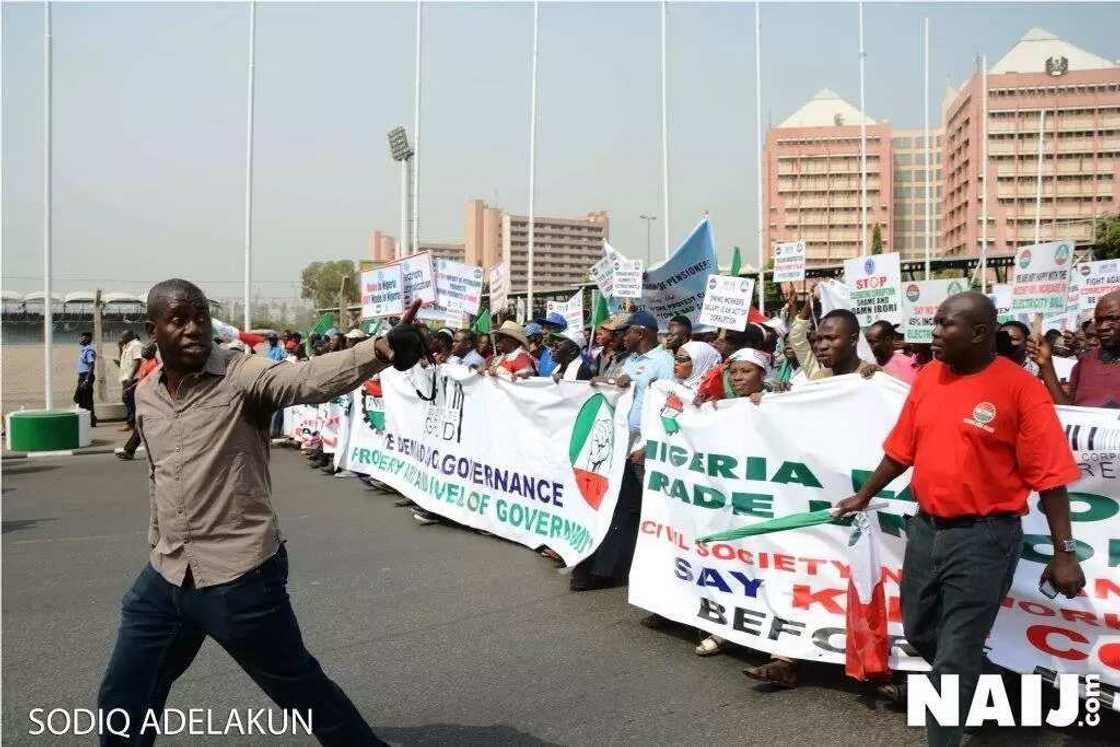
x,y
326,321
599,311
736,262
371,326
482,324
782,523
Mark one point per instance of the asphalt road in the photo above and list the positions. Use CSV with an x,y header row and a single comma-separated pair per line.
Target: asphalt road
x,y
439,635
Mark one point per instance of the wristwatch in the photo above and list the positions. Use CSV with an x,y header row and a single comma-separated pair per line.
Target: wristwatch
x,y
1066,546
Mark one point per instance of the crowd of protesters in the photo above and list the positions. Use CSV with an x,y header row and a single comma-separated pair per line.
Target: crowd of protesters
x,y
970,352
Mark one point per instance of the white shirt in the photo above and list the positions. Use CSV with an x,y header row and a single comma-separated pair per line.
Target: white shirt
x,y
130,359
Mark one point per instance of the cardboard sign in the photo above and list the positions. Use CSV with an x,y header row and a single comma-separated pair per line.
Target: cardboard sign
x,y
920,300
382,292
789,262
1042,273
499,287
458,286
727,302
628,278
1096,279
873,282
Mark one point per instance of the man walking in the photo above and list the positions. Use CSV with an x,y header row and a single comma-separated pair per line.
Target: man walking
x,y
218,564
83,393
131,358
981,433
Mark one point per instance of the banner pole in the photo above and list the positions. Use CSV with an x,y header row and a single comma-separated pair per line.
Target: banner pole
x,y
664,128
533,156
758,137
249,164
48,144
929,167
984,174
416,131
1038,185
862,144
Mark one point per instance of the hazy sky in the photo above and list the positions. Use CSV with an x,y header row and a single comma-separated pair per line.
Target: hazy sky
x,y
150,101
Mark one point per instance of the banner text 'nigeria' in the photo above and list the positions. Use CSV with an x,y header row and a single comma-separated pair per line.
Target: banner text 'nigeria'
x,y
676,286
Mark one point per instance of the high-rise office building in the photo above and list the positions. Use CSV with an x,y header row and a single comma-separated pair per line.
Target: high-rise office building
x,y
909,229
1042,85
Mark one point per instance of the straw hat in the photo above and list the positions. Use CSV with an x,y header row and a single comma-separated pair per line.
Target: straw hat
x,y
512,329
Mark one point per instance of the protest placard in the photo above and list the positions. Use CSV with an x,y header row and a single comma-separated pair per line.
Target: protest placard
x,y
920,300
628,278
499,287
789,261
571,310
417,277
873,283
727,302
1096,279
602,272
458,286
1041,283
382,292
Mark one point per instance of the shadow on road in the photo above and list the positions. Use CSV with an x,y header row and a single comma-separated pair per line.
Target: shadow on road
x,y
16,525
444,734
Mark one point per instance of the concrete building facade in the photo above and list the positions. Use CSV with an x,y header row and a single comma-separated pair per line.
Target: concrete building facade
x,y
812,180
563,249
1079,93
908,225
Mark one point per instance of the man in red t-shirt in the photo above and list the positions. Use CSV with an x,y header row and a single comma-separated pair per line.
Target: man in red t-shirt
x,y
981,433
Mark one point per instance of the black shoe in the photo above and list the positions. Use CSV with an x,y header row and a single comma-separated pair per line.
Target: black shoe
x,y
591,582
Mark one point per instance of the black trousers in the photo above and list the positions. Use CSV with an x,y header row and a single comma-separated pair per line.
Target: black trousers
x,y
953,581
251,617
613,557
83,397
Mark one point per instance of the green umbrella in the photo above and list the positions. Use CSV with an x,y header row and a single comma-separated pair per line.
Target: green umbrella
x,y
782,523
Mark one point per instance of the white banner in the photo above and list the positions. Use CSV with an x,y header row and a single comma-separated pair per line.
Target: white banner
x,y
920,299
873,283
789,261
571,310
499,288
727,302
735,463
602,272
382,292
418,277
1041,283
458,286
532,461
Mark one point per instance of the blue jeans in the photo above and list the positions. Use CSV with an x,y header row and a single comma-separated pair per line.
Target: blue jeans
x,y
953,581
163,626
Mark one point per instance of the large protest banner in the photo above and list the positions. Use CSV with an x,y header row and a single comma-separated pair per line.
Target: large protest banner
x,y
534,462
677,285
733,463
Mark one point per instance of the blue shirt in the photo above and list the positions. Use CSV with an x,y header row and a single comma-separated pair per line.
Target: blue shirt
x,y
642,368
86,358
545,364
276,353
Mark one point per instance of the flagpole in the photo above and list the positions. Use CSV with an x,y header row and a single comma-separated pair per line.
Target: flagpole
x,y
862,143
1038,185
533,154
929,172
664,128
249,163
416,132
984,174
48,144
758,143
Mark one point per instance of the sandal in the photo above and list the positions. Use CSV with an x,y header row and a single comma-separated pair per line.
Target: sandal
x,y
711,646
778,672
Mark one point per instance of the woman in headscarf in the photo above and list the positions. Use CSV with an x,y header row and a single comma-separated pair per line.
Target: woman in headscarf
x,y
743,376
692,362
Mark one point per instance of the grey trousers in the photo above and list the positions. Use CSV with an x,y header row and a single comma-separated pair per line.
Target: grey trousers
x,y
953,581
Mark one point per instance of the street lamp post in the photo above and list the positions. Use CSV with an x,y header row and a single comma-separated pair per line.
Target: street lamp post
x,y
649,219
401,151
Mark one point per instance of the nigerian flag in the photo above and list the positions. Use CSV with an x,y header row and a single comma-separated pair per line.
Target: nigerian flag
x,y
482,324
326,321
599,311
736,263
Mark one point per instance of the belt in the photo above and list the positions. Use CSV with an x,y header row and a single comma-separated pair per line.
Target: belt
x,y
957,522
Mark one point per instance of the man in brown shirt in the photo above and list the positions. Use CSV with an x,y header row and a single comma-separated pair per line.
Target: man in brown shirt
x,y
218,565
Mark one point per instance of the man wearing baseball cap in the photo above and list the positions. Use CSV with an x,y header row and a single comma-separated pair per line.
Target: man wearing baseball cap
x,y
647,362
550,325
